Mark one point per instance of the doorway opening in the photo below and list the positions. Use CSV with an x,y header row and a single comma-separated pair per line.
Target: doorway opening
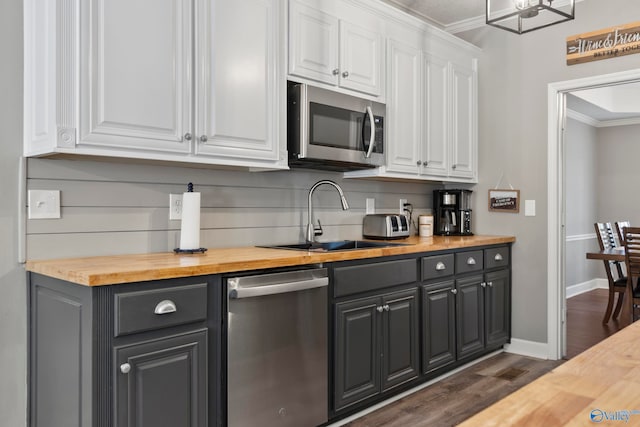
x,y
556,198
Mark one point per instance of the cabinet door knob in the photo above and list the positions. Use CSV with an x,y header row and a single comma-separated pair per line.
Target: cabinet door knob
x,y
418,163
336,71
453,166
204,138
483,284
490,284
440,266
454,291
380,309
425,163
165,307
471,261
125,368
345,74
498,257
386,307
187,136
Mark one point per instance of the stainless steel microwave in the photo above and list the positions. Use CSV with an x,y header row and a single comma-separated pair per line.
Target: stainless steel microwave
x,y
333,131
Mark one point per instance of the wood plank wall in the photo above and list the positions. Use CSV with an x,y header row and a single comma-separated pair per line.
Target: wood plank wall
x,y
118,208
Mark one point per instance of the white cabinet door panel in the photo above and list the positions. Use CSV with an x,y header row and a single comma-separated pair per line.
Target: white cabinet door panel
x,y
436,125
313,44
135,85
463,163
403,108
361,59
237,84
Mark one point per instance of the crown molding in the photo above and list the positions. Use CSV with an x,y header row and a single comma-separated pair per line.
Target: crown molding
x,y
601,123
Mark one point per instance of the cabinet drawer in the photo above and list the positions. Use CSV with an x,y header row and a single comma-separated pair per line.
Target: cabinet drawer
x,y
434,267
496,257
468,261
159,308
368,277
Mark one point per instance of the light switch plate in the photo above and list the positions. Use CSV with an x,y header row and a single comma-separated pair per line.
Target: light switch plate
x,y
529,208
371,205
44,204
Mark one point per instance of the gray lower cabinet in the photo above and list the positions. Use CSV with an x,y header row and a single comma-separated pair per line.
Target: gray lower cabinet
x,y
141,354
438,325
376,345
498,307
162,382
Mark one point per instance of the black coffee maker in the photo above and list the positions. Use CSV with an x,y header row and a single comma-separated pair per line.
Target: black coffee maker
x,y
452,212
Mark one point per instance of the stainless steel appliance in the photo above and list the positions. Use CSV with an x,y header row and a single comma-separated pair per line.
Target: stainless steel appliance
x,y
452,212
277,349
385,226
333,131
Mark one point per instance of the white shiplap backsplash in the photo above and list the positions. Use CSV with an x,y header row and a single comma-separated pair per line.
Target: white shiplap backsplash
x,y
112,208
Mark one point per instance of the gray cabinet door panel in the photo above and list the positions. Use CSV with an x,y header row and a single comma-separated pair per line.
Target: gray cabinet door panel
x,y
357,350
166,384
400,342
438,325
498,302
470,316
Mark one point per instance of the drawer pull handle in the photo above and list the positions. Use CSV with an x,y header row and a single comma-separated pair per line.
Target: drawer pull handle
x,y
165,307
471,261
125,368
498,257
440,266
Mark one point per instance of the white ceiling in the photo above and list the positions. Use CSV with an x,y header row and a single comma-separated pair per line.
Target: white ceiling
x,y
443,13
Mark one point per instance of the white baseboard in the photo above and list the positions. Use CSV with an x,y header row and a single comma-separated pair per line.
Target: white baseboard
x,y
535,349
583,287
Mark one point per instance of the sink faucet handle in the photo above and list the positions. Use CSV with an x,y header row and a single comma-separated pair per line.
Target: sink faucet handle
x,y
317,231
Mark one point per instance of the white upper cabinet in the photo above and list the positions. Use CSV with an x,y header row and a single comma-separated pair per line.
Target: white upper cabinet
x,y
196,81
431,116
237,85
135,88
403,121
335,51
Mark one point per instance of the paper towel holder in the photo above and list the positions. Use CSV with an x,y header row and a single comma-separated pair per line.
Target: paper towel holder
x,y
191,250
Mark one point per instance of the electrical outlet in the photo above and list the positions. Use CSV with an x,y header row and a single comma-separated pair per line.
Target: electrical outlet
x,y
175,206
43,204
402,203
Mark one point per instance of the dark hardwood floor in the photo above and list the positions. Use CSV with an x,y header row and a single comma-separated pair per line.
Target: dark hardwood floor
x,y
456,398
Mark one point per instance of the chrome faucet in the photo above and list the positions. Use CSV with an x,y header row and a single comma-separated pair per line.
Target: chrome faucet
x,y
312,230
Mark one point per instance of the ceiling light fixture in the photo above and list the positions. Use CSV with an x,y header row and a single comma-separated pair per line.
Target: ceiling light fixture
x,y
522,16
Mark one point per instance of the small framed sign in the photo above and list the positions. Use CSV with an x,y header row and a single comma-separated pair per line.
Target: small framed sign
x,y
504,201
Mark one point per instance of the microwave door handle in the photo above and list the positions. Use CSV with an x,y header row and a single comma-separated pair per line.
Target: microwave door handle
x,y
372,136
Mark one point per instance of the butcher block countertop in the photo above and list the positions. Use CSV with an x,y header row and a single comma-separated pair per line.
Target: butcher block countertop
x,y
110,270
599,386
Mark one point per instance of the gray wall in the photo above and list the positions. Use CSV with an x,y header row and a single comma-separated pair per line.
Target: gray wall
x,y
115,208
582,177
12,278
618,153
514,75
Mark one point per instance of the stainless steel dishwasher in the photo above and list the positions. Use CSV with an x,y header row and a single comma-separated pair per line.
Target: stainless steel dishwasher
x,y
277,349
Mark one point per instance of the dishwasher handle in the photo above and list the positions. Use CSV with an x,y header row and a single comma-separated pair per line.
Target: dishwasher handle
x,y
237,292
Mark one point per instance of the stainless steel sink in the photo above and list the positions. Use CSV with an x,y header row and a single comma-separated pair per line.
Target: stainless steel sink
x,y
339,245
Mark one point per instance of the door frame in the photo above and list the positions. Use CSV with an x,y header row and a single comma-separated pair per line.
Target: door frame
x,y
556,120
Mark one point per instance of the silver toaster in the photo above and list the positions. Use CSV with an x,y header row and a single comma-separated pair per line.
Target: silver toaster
x,y
385,226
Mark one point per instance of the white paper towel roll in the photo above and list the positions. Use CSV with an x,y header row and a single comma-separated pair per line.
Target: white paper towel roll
x,y
190,224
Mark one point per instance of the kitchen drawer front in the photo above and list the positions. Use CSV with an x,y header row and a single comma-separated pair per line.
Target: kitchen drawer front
x,y
368,277
435,267
496,257
159,308
469,261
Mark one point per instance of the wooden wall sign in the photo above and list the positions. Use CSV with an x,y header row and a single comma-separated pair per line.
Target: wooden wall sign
x,y
504,201
604,44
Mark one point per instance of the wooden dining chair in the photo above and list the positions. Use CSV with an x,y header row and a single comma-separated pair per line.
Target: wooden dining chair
x,y
619,226
632,261
615,275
